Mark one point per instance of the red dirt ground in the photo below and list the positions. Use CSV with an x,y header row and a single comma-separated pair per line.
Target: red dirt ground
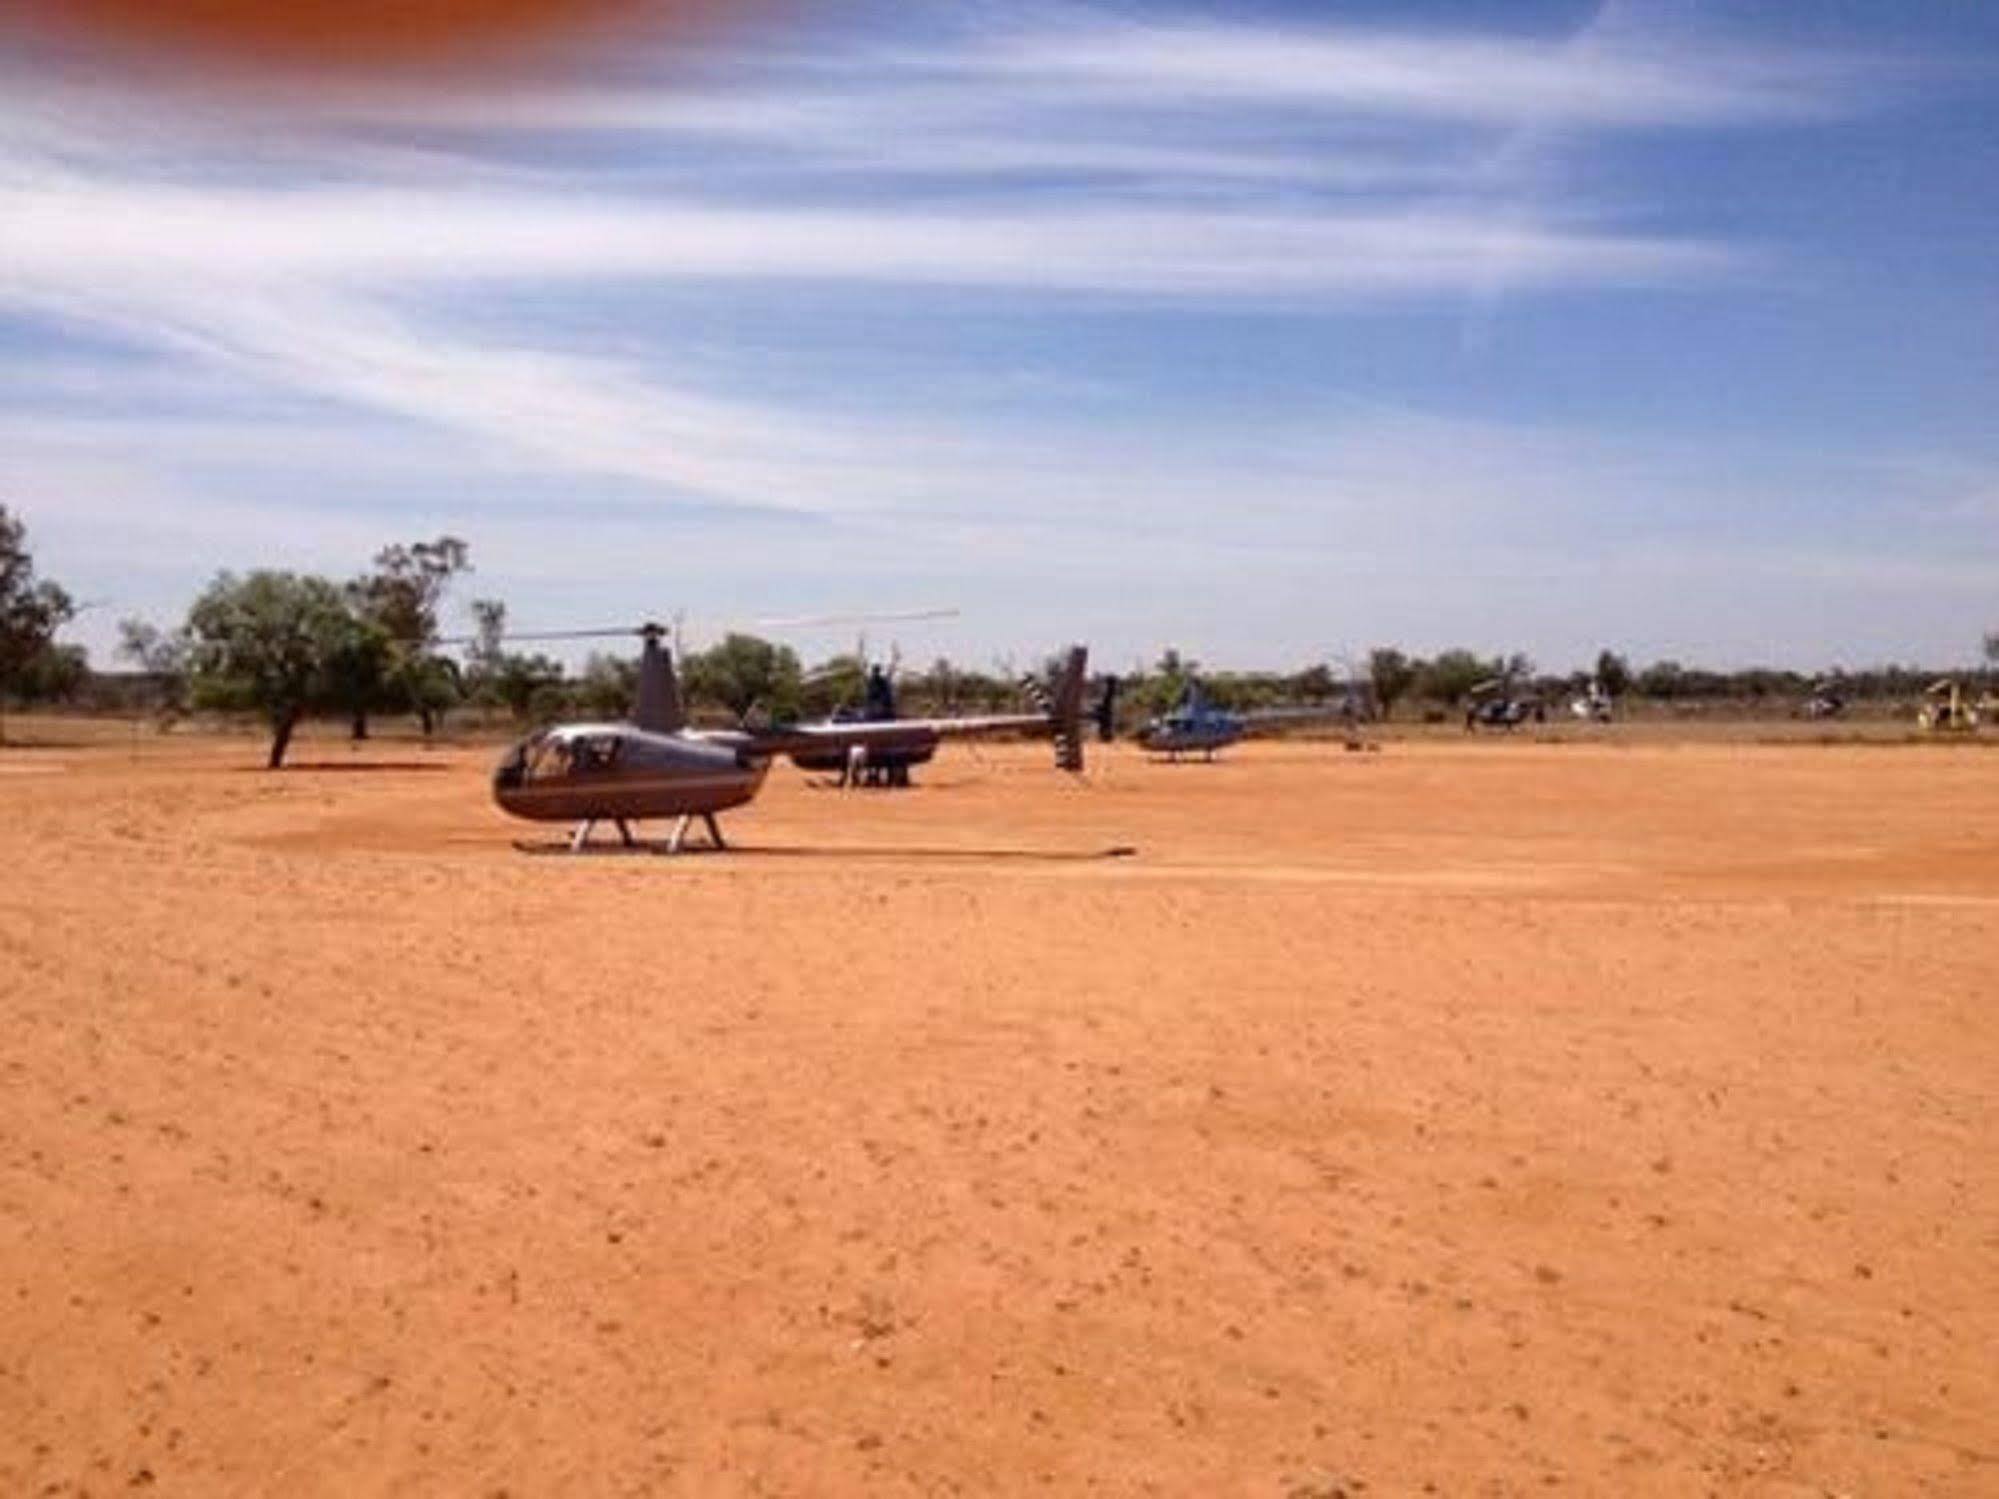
x,y
1466,1119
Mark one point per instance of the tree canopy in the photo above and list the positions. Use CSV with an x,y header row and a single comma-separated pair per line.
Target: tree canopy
x,y
31,611
274,642
744,673
1391,674
395,664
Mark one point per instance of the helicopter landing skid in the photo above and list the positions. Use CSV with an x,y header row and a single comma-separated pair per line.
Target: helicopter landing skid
x,y
578,841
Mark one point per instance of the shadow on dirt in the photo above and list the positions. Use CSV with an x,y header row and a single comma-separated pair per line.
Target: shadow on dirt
x,y
343,767
644,849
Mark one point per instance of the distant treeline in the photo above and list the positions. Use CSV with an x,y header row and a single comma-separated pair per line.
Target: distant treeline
x,y
285,646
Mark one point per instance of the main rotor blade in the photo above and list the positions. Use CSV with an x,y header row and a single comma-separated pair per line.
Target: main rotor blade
x,y
817,621
629,632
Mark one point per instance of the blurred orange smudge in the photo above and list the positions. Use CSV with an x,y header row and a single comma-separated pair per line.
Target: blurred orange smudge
x,y
352,35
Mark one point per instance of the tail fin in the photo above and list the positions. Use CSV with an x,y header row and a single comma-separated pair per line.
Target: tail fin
x,y
1105,713
659,708
1064,706
1065,712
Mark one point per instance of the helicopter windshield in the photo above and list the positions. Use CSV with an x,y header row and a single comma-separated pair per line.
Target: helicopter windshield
x,y
558,756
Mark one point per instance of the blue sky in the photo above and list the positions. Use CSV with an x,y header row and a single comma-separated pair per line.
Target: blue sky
x,y
1268,331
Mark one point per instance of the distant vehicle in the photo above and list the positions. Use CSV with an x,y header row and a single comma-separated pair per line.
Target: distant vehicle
x,y
1827,700
1492,704
1593,704
1196,727
658,767
1947,709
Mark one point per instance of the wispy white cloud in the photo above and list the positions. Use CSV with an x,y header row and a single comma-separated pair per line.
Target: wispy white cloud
x,y
132,236
322,259
1438,76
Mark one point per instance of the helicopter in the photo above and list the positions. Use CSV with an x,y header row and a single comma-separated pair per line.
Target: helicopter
x,y
885,764
888,763
1948,708
1826,699
1197,727
1491,705
657,766
1593,704
877,764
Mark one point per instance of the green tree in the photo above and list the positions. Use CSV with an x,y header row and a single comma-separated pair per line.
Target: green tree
x,y
1315,684
743,673
1452,674
401,598
30,614
272,642
1662,679
162,657
838,682
1391,674
528,687
608,686
1613,673
56,675
357,674
1162,688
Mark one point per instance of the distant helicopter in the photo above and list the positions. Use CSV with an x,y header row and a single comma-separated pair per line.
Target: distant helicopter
x,y
1948,708
1197,727
871,764
887,764
1826,699
657,767
1491,705
1593,704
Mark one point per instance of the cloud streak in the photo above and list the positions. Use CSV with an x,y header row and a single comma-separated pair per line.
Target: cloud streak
x,y
384,271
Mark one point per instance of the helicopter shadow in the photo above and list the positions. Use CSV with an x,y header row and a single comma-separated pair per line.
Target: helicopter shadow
x,y
344,767
890,854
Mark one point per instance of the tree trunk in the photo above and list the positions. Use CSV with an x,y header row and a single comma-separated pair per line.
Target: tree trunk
x,y
281,738
360,730
428,719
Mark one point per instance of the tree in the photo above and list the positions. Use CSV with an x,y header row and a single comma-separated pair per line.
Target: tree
x,y
401,598
526,686
1613,673
1315,683
1663,679
30,614
1161,689
608,686
56,675
1453,674
1992,648
1391,674
744,672
273,642
357,673
162,656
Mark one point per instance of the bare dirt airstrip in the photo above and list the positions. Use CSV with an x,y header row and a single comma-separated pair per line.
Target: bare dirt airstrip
x,y
1466,1119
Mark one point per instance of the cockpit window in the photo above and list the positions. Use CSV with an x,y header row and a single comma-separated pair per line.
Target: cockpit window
x,y
597,752
547,759
558,756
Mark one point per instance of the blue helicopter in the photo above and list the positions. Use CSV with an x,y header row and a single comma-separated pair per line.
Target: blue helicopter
x,y
1197,727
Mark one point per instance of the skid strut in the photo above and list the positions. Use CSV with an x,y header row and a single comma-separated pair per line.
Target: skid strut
x,y
579,836
678,839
